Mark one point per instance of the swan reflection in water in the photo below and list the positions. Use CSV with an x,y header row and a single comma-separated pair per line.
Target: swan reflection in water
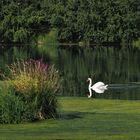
x,y
98,87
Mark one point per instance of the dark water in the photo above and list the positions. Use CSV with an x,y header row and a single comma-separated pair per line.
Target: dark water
x,y
117,67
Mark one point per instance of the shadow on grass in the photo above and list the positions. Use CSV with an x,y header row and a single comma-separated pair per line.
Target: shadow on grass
x,y
74,115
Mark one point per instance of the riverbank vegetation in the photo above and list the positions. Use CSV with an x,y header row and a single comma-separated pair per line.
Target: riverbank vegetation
x,y
75,20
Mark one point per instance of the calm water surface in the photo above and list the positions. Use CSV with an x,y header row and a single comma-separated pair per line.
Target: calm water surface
x,y
117,67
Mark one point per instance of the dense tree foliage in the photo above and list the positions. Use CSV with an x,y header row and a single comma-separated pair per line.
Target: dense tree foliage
x,y
20,19
76,20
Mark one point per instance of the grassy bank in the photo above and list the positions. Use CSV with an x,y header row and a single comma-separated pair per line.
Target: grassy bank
x,y
82,118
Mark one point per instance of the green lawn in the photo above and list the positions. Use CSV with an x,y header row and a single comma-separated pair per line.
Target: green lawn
x,y
82,118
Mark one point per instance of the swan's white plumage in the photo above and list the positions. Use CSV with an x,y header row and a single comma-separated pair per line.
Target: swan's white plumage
x,y
99,90
98,84
98,87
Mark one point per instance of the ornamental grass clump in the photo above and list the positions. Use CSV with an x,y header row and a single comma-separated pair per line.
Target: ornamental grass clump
x,y
35,84
12,108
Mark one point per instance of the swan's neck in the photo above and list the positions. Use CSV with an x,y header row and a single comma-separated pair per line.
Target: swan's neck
x,y
90,83
89,88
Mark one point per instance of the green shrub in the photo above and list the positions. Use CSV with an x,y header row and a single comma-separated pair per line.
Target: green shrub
x,y
15,109
33,97
48,38
12,108
47,44
136,44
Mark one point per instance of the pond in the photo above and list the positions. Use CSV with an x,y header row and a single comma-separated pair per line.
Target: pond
x,y
115,66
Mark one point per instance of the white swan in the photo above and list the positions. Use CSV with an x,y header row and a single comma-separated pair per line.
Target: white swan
x,y
98,87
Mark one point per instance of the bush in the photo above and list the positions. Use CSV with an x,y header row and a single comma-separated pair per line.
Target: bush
x,y
47,44
136,44
12,108
34,92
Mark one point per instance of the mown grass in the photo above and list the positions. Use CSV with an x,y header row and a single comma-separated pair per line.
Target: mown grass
x,y
82,118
